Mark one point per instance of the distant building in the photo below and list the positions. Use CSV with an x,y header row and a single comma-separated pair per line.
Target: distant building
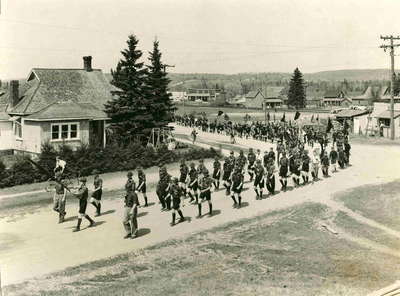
x,y
381,119
357,119
336,98
205,95
178,96
254,99
274,96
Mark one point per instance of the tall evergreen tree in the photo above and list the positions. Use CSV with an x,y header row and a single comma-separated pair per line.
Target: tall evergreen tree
x,y
160,101
128,110
297,95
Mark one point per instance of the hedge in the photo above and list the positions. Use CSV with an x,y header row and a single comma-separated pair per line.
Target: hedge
x,y
86,159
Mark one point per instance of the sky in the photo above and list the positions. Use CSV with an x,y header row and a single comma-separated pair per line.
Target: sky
x,y
198,36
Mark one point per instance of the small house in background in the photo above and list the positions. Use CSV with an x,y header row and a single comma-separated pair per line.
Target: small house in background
x,y
358,120
369,95
381,119
178,96
204,95
58,106
254,99
336,98
274,96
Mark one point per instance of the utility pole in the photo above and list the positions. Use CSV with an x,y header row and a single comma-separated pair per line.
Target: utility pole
x,y
165,66
391,46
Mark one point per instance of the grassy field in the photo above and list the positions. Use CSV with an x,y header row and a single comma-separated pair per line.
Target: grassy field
x,y
378,202
281,253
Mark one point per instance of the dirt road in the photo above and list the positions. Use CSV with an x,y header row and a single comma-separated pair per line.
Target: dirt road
x,y
37,245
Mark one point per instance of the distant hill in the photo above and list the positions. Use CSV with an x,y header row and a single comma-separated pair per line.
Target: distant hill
x,y
339,75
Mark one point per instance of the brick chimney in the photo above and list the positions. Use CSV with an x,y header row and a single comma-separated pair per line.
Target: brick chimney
x,y
87,63
14,92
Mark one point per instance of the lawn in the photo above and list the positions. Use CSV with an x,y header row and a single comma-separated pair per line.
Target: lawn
x,y
281,253
377,202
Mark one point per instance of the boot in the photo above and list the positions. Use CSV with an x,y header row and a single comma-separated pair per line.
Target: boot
x,y
61,218
90,220
210,209
257,194
234,201
199,207
98,212
181,215
78,226
240,201
145,201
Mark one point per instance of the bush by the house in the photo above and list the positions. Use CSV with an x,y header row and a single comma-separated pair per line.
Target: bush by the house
x,y
86,159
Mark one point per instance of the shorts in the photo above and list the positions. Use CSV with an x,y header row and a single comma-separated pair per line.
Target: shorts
x,y
259,182
226,176
283,172
176,203
194,186
216,174
205,195
97,194
143,188
82,207
236,189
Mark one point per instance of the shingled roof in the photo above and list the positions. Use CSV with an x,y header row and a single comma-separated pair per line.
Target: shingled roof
x,y
46,87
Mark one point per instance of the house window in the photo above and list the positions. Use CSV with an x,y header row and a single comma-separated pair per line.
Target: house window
x,y
64,131
18,129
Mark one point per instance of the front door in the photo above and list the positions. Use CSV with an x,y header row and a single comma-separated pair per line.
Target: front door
x,y
96,133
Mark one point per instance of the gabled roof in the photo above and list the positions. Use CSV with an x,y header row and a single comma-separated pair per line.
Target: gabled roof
x,y
48,86
275,91
3,114
386,114
68,110
252,94
334,94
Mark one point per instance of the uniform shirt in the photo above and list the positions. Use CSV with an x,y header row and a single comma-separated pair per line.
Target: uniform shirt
x,y
82,193
232,160
184,169
206,183
60,187
227,166
259,170
193,174
131,199
259,156
217,165
333,155
271,170
98,183
283,162
130,185
325,160
175,191
271,154
251,157
237,178
141,177
201,168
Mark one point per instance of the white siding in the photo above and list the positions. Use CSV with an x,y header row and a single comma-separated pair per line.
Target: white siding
x,y
31,135
7,138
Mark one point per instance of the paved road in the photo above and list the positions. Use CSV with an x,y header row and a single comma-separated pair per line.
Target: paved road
x,y
37,245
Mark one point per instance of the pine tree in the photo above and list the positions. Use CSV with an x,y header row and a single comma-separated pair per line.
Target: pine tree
x,y
160,101
128,110
296,95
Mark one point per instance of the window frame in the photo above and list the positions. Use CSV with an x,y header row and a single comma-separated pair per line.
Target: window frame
x,y
15,124
69,124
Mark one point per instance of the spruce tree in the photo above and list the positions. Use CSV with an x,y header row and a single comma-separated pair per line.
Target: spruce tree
x,y
128,110
297,95
160,101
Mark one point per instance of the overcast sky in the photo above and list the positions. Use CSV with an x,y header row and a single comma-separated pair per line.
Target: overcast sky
x,y
218,36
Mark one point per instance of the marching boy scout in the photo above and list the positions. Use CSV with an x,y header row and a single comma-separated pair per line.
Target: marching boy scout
x,y
82,194
216,172
59,197
142,184
95,200
176,194
259,179
205,193
130,208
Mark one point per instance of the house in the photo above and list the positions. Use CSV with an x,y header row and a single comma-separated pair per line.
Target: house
x,y
178,96
357,119
381,119
254,99
58,106
336,98
205,95
274,96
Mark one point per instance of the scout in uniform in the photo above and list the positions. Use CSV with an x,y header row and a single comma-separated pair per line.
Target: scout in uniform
x,y
176,194
183,177
341,157
82,194
193,183
241,161
142,184
205,193
347,148
226,177
265,159
161,187
259,179
258,155
279,149
333,157
315,164
271,154
283,171
237,186
271,176
216,172
325,164
251,157
131,208
305,166
201,168
59,197
232,159
296,169
95,200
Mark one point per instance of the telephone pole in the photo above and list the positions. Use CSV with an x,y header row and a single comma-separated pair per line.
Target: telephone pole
x,y
391,46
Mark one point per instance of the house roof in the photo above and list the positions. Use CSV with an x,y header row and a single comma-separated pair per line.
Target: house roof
x,y
275,91
48,86
252,94
350,113
3,114
272,100
68,110
386,114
